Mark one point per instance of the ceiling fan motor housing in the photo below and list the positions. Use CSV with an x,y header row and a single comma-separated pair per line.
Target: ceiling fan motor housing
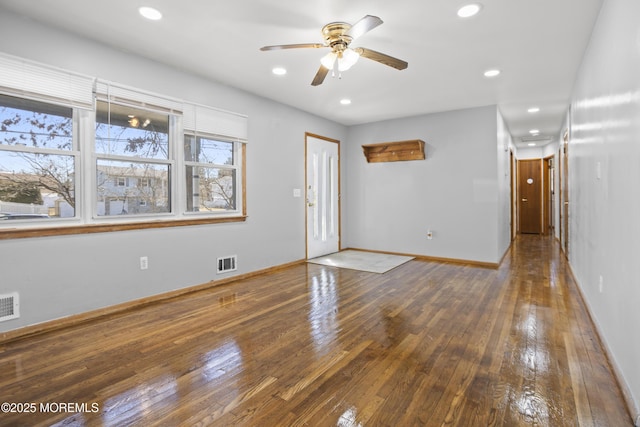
x,y
335,36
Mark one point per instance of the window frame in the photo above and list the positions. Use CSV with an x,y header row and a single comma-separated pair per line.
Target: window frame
x,y
170,162
237,166
74,152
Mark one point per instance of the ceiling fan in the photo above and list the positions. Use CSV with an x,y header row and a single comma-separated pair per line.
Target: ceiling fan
x,y
338,36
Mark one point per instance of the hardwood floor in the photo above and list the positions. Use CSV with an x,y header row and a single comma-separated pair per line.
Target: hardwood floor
x,y
424,344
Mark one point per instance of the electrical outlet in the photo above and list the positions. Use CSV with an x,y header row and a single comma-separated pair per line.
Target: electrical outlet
x,y
601,284
144,263
429,235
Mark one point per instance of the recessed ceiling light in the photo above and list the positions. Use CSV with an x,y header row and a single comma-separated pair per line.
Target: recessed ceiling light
x,y
491,73
469,10
531,144
150,13
533,110
534,131
279,71
345,101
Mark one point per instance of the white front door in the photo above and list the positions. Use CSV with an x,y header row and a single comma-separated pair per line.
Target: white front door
x,y
323,196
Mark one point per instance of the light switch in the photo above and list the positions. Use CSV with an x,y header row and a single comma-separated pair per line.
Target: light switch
x,y
297,192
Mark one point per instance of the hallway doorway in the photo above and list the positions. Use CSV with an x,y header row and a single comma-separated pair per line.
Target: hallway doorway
x,y
530,200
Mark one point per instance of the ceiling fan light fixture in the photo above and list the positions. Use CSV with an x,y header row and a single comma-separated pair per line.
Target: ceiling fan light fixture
x,y
348,59
329,60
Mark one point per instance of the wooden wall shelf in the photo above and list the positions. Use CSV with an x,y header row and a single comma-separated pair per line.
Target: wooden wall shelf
x,y
394,151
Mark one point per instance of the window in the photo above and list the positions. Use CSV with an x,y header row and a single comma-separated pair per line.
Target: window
x,y
132,146
107,157
211,177
214,143
37,160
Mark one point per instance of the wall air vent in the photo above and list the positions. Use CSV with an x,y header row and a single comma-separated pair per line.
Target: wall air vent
x,y
228,263
9,306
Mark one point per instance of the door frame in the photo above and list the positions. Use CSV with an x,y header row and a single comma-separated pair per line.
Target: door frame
x,y
564,194
539,166
548,205
512,190
306,196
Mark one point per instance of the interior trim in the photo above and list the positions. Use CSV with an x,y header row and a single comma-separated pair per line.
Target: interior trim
x,y
493,265
24,233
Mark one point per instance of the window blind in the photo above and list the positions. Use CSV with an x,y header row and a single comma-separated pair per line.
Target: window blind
x,y
120,94
28,79
200,118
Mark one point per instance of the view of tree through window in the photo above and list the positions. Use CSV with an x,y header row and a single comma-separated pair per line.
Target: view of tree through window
x,y
210,174
37,160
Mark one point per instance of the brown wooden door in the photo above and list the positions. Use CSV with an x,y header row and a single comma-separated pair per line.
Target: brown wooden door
x,y
530,196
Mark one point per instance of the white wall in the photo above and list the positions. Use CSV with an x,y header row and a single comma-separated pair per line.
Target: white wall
x,y
525,153
455,192
605,211
61,276
505,145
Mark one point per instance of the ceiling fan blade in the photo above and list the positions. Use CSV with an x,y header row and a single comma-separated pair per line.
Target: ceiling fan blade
x,y
320,75
396,63
364,25
293,46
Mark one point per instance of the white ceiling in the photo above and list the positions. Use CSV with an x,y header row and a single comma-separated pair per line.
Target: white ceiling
x,y
537,44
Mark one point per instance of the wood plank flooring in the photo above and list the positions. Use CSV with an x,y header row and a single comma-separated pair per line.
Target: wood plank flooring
x,y
427,344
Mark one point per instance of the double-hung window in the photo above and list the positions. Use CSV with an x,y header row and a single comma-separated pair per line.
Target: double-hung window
x,y
213,159
133,153
211,174
40,167
37,160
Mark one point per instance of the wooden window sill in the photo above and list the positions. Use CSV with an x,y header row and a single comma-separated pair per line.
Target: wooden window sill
x,y
23,233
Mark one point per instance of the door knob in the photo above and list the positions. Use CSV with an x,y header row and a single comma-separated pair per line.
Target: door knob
x,y
524,200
